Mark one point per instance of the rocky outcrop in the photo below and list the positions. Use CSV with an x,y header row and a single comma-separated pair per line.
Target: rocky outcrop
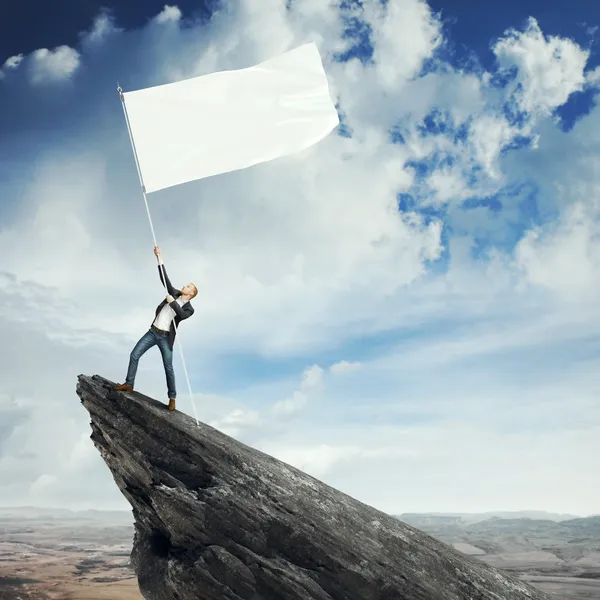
x,y
218,520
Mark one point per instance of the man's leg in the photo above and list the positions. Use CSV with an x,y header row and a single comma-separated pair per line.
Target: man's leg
x,y
144,344
167,357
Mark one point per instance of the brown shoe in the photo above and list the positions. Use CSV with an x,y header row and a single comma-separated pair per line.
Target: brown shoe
x,y
124,387
171,403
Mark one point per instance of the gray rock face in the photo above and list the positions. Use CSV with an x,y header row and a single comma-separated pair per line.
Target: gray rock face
x,y
218,520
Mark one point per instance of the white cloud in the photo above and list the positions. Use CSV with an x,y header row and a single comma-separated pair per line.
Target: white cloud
x,y
593,77
448,184
405,33
344,366
59,64
489,134
312,379
289,406
549,69
13,62
168,14
103,27
49,66
566,259
310,387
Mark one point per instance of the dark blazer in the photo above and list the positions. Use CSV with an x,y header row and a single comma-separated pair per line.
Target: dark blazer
x,y
181,312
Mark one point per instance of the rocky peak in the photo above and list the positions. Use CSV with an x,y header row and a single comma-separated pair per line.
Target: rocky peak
x,y
218,520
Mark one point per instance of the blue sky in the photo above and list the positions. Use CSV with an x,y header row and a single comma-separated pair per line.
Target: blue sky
x,y
413,300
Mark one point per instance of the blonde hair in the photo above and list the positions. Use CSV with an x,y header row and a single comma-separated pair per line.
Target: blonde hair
x,y
195,290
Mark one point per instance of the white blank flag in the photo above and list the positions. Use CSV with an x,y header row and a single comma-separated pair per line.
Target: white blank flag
x,y
230,120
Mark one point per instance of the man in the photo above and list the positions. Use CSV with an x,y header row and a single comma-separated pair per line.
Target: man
x,y
176,307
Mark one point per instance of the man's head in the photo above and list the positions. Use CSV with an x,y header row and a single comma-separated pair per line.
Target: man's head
x,y
190,290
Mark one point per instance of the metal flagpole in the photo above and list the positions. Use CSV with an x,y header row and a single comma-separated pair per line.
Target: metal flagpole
x,y
154,237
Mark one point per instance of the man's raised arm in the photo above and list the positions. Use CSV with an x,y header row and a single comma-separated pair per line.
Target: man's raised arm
x,y
161,271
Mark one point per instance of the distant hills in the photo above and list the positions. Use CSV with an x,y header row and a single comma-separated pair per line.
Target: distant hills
x,y
37,513
519,533
549,545
471,518
414,519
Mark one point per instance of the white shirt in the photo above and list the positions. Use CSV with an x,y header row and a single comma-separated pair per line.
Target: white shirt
x,y
166,315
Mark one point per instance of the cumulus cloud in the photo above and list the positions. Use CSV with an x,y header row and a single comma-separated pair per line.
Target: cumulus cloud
x,y
50,66
168,14
448,183
593,77
46,66
310,387
13,62
405,33
565,259
549,68
61,63
344,366
102,28
489,135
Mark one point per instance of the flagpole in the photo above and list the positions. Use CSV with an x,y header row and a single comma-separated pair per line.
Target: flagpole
x,y
154,236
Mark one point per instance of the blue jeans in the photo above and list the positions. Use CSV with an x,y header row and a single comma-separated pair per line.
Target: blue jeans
x,y
149,339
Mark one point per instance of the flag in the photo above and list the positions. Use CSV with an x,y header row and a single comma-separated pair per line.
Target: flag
x,y
230,120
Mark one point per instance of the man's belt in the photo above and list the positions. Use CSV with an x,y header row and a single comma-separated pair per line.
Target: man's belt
x,y
159,330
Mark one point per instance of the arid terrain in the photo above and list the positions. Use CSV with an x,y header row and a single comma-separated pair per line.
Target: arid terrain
x,y
558,554
63,555
59,555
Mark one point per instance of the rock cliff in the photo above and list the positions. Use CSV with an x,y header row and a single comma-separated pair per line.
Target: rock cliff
x,y
218,520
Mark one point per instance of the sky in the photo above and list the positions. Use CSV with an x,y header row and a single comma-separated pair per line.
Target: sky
x,y
407,311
